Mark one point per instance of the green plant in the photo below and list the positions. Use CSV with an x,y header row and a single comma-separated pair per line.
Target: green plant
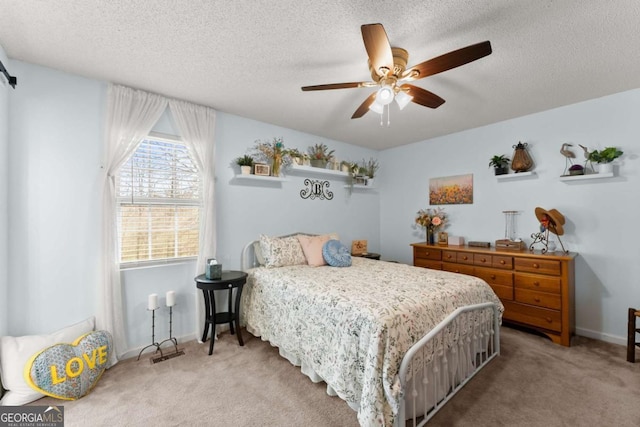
x,y
294,152
320,152
372,167
245,160
499,161
607,155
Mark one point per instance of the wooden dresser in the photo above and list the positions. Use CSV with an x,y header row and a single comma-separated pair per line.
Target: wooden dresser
x,y
537,289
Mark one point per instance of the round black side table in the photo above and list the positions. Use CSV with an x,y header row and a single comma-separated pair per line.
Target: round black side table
x,y
230,280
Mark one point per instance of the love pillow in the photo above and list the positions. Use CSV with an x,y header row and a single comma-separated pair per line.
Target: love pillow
x,y
69,371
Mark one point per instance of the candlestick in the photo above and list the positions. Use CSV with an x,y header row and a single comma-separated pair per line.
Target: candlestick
x,y
153,302
152,298
171,299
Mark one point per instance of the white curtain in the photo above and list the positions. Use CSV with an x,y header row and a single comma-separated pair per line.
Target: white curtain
x,y
196,124
130,116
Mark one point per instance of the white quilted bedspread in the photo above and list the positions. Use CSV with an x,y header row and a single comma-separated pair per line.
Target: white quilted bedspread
x,y
353,325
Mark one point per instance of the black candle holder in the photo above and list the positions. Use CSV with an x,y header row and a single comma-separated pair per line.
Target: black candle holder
x,y
153,335
171,337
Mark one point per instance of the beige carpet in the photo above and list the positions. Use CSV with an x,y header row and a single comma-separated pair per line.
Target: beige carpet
x,y
532,383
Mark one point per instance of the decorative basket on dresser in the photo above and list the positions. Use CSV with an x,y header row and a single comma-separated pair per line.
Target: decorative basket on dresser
x,y
537,289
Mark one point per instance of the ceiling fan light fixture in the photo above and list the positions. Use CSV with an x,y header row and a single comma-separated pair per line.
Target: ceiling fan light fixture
x,y
376,107
403,99
385,95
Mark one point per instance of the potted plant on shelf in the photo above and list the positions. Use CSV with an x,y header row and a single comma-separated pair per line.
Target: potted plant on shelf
x,y
604,158
245,162
499,163
296,156
320,155
372,169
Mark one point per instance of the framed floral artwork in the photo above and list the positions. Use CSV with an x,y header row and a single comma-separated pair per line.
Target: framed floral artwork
x,y
451,190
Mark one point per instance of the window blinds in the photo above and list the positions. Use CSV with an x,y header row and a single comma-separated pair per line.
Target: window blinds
x,y
159,198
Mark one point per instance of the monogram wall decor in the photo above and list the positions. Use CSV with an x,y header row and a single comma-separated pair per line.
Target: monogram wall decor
x,y
316,189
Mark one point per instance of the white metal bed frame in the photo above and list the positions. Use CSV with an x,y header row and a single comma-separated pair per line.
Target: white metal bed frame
x,y
427,378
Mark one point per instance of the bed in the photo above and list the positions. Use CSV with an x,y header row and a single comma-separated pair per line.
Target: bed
x,y
394,341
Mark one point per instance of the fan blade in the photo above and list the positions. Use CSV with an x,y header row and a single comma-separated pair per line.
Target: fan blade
x,y
422,96
448,61
334,86
378,48
364,107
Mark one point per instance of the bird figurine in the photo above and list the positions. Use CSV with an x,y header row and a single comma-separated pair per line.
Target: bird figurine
x,y
568,155
587,156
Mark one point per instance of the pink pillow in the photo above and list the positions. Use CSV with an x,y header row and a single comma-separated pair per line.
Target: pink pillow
x,y
312,248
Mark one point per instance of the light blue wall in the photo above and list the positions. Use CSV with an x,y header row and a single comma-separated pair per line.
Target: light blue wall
x,y
55,248
54,198
601,215
4,195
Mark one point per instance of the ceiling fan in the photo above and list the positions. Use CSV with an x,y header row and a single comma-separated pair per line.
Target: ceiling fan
x,y
388,66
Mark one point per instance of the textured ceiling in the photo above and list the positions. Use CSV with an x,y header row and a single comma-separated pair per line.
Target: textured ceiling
x,y
250,57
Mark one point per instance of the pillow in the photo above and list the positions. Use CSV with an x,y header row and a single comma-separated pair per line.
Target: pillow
x,y
312,248
16,351
69,371
336,254
281,251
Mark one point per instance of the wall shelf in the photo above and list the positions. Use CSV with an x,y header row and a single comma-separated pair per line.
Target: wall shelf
x,y
253,177
514,176
588,176
301,170
361,187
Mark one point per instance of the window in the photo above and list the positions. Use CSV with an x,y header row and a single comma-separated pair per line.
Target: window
x,y
159,200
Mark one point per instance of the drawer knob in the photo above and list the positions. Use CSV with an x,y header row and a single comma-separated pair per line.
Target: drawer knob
x,y
536,299
502,262
548,319
427,253
536,283
493,277
483,260
230,285
449,257
535,265
465,258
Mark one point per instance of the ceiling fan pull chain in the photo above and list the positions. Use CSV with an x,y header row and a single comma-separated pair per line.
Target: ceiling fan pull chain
x,y
388,115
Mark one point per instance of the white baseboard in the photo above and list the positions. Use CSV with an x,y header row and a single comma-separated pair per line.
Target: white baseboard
x,y
614,339
148,352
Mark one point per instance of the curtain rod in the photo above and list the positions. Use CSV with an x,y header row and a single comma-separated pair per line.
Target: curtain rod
x,y
12,80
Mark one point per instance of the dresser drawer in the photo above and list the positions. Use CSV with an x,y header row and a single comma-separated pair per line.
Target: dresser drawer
x,y
538,265
541,299
535,316
458,268
495,277
505,262
503,292
482,259
464,258
449,256
536,282
426,253
428,263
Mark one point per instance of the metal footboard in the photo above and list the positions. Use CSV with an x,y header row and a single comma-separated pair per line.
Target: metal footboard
x,y
443,361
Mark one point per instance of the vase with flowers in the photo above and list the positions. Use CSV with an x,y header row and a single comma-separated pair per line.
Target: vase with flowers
x,y
431,220
273,152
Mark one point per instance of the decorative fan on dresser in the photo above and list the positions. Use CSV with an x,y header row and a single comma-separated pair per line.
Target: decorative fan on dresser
x,y
388,66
